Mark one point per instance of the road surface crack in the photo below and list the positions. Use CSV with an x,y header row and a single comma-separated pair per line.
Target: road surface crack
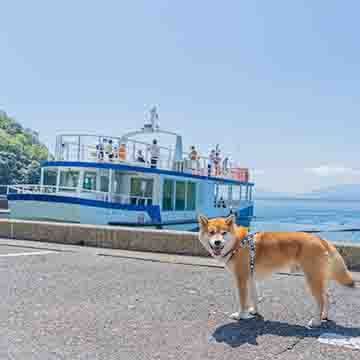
x,y
290,347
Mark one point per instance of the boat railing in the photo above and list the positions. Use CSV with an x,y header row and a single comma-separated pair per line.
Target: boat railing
x,y
46,189
84,148
127,199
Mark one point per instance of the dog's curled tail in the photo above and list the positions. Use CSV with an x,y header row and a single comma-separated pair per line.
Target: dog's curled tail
x,y
338,268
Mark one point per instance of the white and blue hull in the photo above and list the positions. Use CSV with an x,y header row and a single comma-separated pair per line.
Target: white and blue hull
x,y
67,209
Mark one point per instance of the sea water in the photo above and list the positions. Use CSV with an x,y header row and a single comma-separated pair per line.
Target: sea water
x,y
328,216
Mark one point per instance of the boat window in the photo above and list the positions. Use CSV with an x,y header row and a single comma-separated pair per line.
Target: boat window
x,y
89,180
191,196
235,193
221,195
250,193
50,177
168,195
180,196
141,191
104,180
68,179
118,182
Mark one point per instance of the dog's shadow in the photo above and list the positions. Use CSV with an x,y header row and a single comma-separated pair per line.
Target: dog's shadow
x,y
243,332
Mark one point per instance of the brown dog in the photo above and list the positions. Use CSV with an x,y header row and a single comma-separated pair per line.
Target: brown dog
x,y
269,252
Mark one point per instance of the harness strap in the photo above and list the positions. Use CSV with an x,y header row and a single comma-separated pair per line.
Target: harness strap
x,y
248,240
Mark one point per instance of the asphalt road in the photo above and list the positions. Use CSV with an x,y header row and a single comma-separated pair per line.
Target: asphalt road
x,y
80,305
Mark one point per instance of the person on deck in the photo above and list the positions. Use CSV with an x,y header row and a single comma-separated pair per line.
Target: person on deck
x,y
226,165
193,153
109,150
100,150
122,152
154,153
211,162
217,163
140,156
194,157
116,150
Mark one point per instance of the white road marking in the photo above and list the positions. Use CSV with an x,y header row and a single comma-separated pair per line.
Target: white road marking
x,y
340,340
27,253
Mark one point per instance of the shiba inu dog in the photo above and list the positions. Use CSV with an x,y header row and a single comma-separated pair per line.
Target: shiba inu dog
x,y
257,256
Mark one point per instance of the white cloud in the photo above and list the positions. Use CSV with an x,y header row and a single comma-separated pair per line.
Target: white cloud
x,y
334,170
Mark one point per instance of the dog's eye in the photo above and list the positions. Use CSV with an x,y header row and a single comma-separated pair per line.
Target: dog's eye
x,y
224,233
212,232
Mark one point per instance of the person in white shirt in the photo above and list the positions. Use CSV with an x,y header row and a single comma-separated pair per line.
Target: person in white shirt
x,y
154,153
109,150
211,162
116,150
100,150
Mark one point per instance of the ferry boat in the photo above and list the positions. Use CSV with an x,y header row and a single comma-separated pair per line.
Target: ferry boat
x,y
107,180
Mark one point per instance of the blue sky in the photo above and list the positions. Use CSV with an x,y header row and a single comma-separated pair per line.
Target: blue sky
x,y
275,82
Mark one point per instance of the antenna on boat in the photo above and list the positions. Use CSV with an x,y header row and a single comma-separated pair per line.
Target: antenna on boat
x,y
153,125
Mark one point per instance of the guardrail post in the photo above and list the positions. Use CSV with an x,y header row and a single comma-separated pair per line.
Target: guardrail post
x,y
58,179
110,184
41,179
79,148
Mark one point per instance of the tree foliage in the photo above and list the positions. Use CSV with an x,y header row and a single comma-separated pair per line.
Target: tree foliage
x,y
20,153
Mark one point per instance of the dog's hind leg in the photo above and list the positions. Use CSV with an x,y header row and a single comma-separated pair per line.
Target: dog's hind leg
x,y
318,286
254,297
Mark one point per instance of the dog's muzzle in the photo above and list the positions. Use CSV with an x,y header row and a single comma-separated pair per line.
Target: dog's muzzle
x,y
217,248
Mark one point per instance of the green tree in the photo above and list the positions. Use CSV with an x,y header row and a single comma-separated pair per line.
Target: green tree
x,y
21,153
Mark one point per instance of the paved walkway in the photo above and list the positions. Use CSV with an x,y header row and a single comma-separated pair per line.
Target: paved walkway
x,y
68,302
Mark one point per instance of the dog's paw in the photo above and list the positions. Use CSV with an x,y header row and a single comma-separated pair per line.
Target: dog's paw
x,y
313,323
255,314
241,316
235,316
253,311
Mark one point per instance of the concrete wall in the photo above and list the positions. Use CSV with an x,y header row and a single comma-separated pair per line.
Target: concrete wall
x,y
3,203
174,242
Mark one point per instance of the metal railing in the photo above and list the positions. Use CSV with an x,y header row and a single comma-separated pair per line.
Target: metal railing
x,y
126,199
83,148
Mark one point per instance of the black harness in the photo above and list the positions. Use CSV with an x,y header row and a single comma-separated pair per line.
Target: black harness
x,y
248,240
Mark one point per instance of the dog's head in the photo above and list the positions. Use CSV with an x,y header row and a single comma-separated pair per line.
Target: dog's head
x,y
220,235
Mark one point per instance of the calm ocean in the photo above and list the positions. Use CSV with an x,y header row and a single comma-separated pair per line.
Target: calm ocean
x,y
294,215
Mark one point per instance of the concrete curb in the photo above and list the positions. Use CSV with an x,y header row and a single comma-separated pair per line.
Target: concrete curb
x,y
124,238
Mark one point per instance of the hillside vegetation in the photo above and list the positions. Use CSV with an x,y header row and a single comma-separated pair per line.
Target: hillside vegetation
x,y
20,153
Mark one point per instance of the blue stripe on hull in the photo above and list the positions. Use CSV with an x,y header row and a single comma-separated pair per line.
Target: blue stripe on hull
x,y
244,215
152,210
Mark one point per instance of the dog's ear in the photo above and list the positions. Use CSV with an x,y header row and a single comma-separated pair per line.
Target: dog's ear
x,y
230,221
203,221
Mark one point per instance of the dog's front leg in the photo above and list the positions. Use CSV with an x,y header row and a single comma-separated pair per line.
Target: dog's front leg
x,y
242,285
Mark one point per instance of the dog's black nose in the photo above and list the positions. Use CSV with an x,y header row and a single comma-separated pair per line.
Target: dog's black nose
x,y
217,243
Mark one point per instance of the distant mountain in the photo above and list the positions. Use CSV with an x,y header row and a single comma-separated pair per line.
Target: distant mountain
x,y
337,192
